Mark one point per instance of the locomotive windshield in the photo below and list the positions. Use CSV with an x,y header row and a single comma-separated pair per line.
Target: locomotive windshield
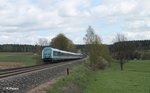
x,y
47,51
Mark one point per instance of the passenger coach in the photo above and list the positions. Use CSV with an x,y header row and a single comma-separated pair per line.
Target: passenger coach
x,y
51,55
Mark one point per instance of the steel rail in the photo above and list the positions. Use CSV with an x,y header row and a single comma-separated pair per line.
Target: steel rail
x,y
16,71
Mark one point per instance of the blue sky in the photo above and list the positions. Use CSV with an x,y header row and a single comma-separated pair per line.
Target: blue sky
x,y
26,21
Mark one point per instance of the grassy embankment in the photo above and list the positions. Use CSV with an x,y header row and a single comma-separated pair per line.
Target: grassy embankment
x,y
134,79
26,59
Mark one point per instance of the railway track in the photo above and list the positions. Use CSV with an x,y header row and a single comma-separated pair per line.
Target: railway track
x,y
21,70
16,71
25,78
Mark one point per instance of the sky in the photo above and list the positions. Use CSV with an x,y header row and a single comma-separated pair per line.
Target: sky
x,y
25,21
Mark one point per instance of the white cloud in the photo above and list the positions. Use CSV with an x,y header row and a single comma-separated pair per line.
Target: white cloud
x,y
26,15
133,14
138,35
70,16
138,25
22,38
110,8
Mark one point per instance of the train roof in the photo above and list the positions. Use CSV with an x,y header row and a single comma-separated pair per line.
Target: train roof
x,y
62,51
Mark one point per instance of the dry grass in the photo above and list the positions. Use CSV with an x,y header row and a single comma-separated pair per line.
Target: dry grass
x,y
4,65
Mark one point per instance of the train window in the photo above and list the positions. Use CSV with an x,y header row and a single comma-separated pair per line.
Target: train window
x,y
59,53
55,53
63,54
47,52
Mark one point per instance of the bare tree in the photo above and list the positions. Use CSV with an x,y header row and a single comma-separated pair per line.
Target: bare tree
x,y
42,42
120,38
121,49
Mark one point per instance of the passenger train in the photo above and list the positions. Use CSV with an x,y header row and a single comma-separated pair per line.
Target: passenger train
x,y
50,54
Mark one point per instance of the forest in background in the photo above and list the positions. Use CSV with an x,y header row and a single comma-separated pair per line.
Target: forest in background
x,y
141,47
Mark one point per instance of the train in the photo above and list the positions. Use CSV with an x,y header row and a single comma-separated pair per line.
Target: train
x,y
50,54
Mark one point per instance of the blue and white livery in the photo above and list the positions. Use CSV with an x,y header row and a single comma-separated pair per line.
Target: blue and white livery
x,y
51,55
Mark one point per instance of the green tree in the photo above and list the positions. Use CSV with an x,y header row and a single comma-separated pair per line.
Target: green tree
x,y
63,43
94,49
104,52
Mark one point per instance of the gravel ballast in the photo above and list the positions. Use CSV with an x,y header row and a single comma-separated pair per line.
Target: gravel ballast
x,y
24,82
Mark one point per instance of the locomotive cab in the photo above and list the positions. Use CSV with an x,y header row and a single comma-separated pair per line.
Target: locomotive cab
x,y
47,54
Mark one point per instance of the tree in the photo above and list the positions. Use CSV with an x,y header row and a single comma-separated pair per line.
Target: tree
x,y
43,42
40,44
63,43
94,48
105,54
122,50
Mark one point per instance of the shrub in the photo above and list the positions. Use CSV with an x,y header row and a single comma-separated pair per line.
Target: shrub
x,y
145,56
102,64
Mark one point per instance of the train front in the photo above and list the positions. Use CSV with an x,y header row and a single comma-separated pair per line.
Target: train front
x,y
47,54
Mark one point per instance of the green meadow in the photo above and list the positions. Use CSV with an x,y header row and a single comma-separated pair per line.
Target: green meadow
x,y
134,79
27,59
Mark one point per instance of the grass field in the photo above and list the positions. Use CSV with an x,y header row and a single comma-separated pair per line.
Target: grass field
x,y
134,79
25,58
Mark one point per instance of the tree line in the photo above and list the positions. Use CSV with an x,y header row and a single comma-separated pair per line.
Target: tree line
x,y
139,44
17,48
134,49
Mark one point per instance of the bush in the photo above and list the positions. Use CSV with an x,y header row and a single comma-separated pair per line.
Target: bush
x,y
137,55
105,54
102,64
145,56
